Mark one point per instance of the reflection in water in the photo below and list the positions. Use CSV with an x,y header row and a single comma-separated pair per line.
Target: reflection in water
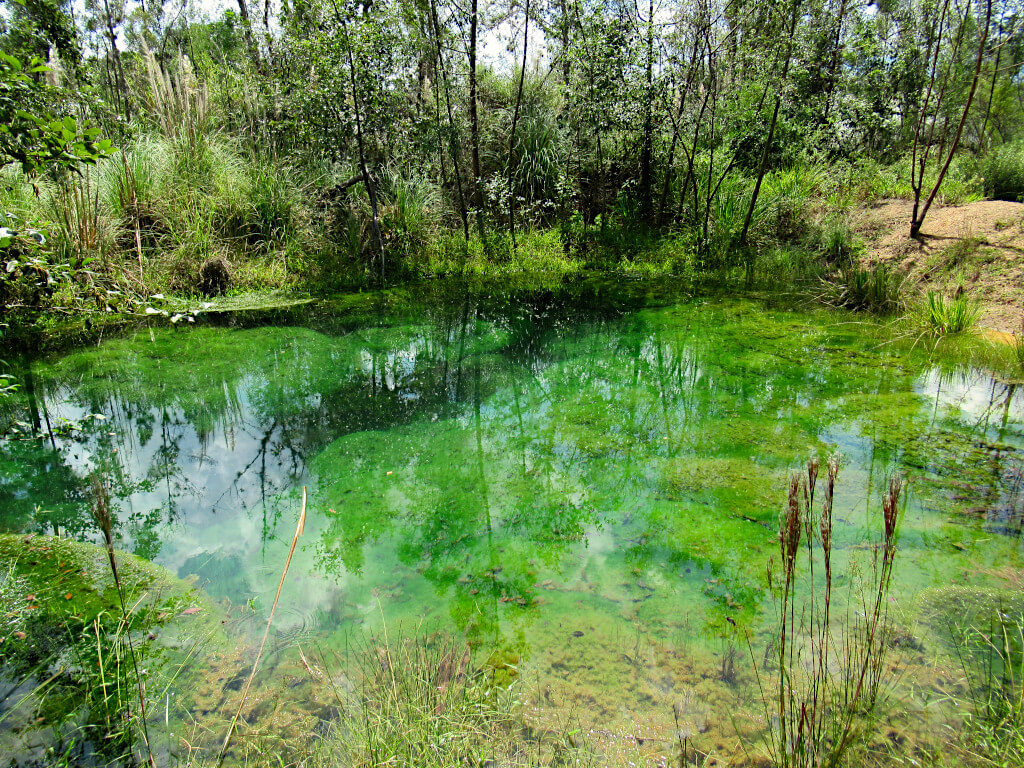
x,y
556,475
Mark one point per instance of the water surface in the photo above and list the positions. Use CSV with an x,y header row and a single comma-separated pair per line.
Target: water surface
x,y
584,481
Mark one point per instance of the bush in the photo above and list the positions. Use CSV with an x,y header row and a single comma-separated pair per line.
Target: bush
x,y
1003,172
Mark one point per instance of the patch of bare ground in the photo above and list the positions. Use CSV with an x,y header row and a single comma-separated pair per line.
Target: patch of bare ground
x,y
978,246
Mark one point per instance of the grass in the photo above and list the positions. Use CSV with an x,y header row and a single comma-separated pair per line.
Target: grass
x,y
943,317
830,668
421,701
984,630
877,289
993,659
81,656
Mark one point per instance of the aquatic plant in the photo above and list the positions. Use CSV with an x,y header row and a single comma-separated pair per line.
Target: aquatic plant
x,y
427,700
829,667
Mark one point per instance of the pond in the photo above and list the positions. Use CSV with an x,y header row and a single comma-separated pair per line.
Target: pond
x,y
584,481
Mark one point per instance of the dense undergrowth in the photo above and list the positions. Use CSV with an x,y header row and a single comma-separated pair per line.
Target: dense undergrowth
x,y
192,214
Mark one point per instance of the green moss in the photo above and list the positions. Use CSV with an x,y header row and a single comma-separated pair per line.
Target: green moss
x,y
737,486
62,582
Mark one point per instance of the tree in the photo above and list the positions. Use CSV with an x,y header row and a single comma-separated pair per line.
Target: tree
x,y
29,134
933,125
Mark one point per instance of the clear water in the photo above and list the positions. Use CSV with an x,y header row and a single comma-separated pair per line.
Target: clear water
x,y
583,481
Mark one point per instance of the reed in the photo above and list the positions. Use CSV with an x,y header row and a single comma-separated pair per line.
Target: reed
x,y
830,666
78,228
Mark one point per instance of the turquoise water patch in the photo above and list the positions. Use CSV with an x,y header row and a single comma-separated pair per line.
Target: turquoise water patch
x,y
582,483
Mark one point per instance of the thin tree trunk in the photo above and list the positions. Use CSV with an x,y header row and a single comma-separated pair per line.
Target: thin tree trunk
x,y
647,147
455,149
122,83
512,133
915,224
763,165
250,42
474,123
368,179
837,48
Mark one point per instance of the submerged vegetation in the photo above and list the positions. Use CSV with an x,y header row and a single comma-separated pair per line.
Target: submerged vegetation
x,y
541,532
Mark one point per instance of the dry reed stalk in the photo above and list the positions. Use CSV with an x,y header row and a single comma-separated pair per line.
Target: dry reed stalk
x,y
266,632
817,709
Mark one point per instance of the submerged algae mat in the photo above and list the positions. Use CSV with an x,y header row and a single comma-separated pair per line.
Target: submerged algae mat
x,y
584,483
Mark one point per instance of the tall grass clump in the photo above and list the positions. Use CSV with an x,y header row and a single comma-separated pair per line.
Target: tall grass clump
x,y
134,182
425,701
876,289
944,317
993,659
1017,347
410,213
830,662
832,239
80,232
789,194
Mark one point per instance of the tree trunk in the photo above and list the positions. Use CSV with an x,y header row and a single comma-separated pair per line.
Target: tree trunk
x,y
762,167
918,220
512,133
647,149
474,123
250,42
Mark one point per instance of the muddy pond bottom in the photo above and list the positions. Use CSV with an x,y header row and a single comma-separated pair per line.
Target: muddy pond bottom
x,y
581,482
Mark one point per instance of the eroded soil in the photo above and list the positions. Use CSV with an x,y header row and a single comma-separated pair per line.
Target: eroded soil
x,y
979,246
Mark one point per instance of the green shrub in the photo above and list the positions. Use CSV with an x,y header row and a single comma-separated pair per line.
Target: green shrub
x,y
1003,172
832,239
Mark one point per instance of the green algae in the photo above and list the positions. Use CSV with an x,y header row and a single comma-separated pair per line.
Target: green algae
x,y
523,468
64,642
739,486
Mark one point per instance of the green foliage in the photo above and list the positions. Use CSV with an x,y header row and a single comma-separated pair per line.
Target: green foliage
x,y
1003,172
31,136
942,317
876,289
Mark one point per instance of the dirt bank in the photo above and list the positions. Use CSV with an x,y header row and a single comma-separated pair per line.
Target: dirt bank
x,y
979,246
